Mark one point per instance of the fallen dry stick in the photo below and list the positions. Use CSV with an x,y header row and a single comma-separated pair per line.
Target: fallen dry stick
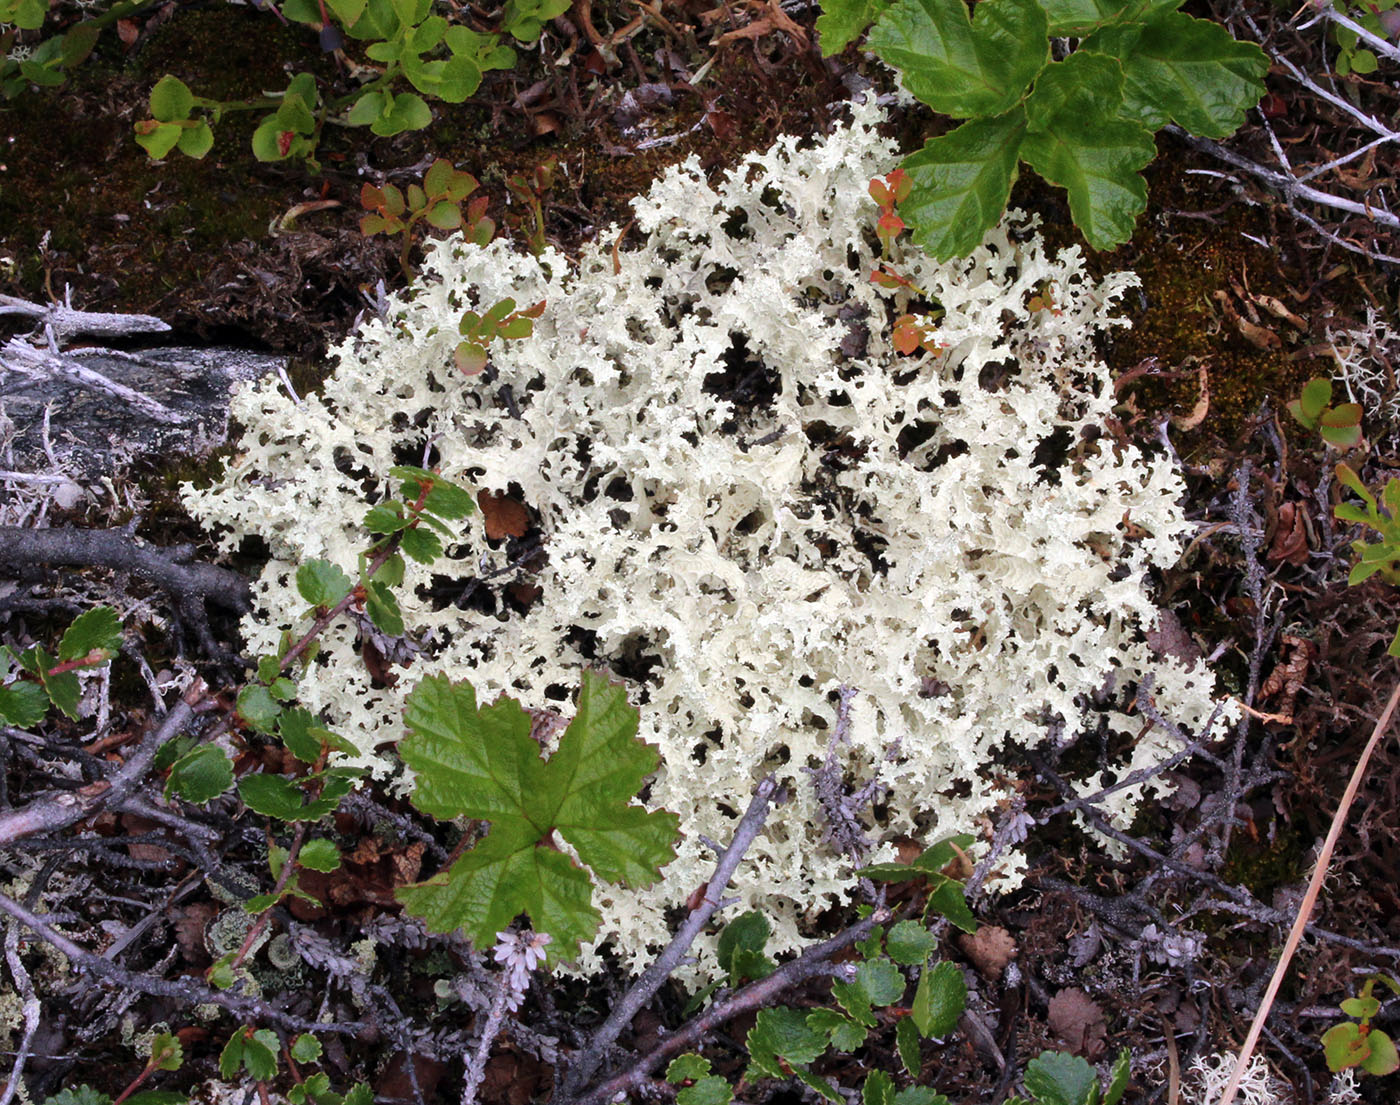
x,y
1324,857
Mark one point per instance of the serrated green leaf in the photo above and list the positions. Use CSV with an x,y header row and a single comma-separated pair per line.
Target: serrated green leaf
x,y
297,729
843,21
23,704
279,797
967,67
846,1034
481,763
422,545
96,630
1058,1078
200,775
1078,18
740,949
322,583
782,1033
687,1068
445,498
906,1039
706,1089
1118,1078
878,1089
383,608
319,855
386,518
815,1082
1186,69
946,899
306,1048
258,709
961,182
923,1095
1074,141
166,1052
910,943
79,1095
939,1000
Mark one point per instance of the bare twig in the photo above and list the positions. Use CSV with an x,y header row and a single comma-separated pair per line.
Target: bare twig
x,y
184,989
66,322
642,991
31,1010
20,356
1300,922
476,1066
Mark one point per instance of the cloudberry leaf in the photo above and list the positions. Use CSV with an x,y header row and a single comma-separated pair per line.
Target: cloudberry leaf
x,y
961,65
481,763
1059,1078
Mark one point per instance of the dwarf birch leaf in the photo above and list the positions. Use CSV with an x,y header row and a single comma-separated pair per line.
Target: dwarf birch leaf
x,y
23,704
321,583
1059,1078
782,1034
96,630
961,182
200,775
481,763
1187,69
961,65
906,1040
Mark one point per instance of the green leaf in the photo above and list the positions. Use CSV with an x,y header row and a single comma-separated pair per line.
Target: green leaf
x,y
306,1048
843,21
62,689
445,498
166,1052
705,1088
157,1097
961,182
1058,1078
906,1038
386,518
383,608
1077,18
347,11
939,1000
255,1052
878,1089
297,729
782,1034
740,949
171,100
366,109
1187,69
967,67
319,855
1118,1078
481,763
199,775
877,983
281,798
321,583
1362,1008
1316,397
823,1088
82,1095
23,704
258,709
946,899
846,1034
96,630
421,544
157,140
195,141
923,1095
1071,142
910,943
403,112
1383,1058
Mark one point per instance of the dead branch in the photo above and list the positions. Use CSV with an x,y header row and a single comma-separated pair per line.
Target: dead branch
x,y
19,356
167,568
65,322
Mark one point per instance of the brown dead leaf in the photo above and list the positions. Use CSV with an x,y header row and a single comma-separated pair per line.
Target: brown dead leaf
x,y
1290,541
1079,1022
1202,407
990,948
128,32
504,516
1287,679
1261,337
190,922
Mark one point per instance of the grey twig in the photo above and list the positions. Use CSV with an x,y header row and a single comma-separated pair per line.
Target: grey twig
x,y
476,1065
66,322
184,989
642,991
31,1010
51,813
812,962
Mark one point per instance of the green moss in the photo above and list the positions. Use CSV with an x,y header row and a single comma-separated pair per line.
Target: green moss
x,y
1263,866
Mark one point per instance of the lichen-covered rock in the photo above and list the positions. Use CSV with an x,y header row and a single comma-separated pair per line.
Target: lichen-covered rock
x,y
746,492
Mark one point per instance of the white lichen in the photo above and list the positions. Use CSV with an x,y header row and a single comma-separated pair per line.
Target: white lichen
x,y
951,534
